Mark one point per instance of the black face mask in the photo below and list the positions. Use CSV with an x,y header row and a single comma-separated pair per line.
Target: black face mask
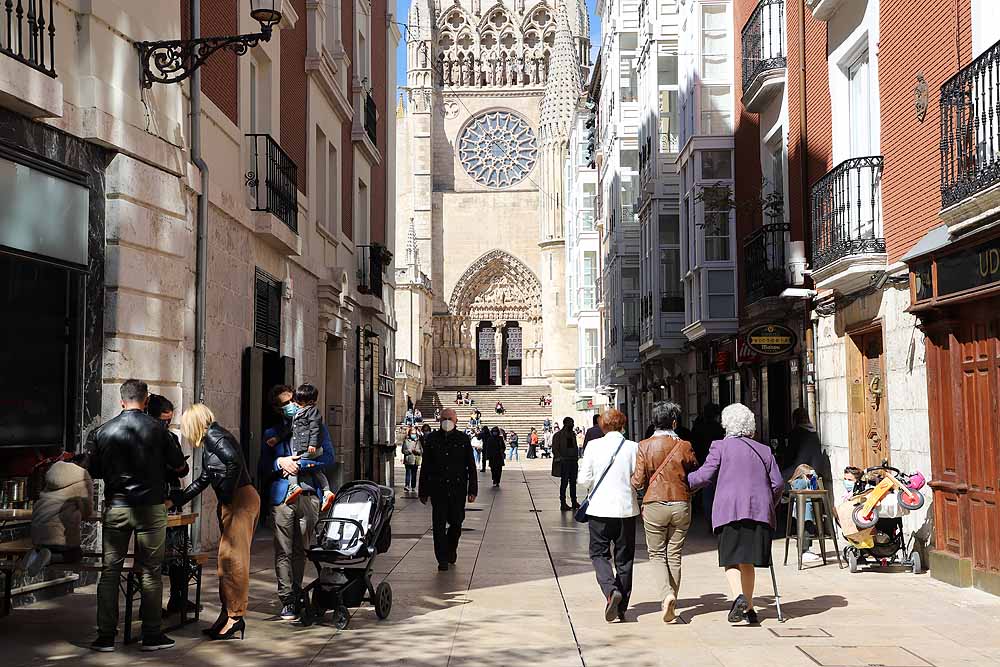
x,y
165,422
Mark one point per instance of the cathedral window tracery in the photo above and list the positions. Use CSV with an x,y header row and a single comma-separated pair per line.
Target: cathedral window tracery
x,y
498,149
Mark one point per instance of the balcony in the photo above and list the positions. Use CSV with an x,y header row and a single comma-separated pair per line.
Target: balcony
x,y
630,216
970,140
846,213
372,261
764,261
371,118
587,298
272,186
763,41
586,378
587,221
823,10
28,82
406,369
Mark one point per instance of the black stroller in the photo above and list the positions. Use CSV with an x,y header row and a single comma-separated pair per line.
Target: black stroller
x,y
357,529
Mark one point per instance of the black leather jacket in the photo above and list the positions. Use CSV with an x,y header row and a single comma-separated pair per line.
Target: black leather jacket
x,y
133,453
222,466
448,466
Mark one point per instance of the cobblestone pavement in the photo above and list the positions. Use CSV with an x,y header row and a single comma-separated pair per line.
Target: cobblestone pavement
x,y
523,593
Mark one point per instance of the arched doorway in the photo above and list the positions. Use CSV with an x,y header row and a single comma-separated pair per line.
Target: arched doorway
x,y
498,302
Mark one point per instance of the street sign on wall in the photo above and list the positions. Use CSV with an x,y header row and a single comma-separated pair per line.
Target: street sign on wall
x,y
771,339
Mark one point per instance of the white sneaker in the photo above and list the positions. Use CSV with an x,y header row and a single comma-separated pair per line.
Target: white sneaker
x,y
810,557
35,561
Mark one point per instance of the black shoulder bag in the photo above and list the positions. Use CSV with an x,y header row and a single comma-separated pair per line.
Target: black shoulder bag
x,y
581,512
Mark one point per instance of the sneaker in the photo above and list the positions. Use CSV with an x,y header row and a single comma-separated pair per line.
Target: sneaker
x,y
328,497
751,617
611,610
157,642
288,613
35,561
739,609
669,609
293,495
442,567
103,644
810,557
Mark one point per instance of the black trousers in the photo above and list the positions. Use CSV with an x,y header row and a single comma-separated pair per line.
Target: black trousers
x,y
496,467
568,479
613,536
447,515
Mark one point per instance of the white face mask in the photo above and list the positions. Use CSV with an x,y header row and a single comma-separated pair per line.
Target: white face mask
x,y
447,425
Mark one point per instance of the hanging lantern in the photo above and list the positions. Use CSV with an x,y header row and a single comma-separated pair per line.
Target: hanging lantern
x,y
265,12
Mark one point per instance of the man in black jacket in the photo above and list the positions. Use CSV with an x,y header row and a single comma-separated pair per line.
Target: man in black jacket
x,y
566,462
448,478
593,433
133,453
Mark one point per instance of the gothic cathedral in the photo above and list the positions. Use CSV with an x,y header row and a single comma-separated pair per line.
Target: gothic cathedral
x,y
491,93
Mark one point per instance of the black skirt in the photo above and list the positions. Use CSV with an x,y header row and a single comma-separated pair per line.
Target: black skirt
x,y
744,541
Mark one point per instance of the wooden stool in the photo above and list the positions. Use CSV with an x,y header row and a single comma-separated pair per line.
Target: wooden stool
x,y
821,501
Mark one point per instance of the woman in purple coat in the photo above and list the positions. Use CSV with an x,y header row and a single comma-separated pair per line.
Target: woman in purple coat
x,y
748,486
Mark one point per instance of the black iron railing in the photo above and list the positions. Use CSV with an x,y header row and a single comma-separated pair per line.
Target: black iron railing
x,y
272,179
371,118
28,34
847,211
372,261
970,129
763,40
764,261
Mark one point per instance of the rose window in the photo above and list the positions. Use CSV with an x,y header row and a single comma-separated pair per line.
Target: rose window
x,y
498,149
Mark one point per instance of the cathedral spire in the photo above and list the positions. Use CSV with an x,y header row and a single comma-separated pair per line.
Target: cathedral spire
x,y
562,92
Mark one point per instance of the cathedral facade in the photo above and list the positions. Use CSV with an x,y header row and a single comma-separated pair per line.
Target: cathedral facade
x,y
491,92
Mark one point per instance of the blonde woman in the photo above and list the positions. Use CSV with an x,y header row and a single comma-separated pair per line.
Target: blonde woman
x,y
223,467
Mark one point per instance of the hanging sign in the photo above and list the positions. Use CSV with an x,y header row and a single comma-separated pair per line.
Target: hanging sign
x,y
771,339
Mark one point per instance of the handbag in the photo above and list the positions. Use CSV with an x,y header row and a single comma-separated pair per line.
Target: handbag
x,y
581,513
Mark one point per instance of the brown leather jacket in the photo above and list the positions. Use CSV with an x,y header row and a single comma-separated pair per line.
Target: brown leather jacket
x,y
671,484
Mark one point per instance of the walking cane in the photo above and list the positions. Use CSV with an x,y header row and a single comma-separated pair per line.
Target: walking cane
x,y
777,598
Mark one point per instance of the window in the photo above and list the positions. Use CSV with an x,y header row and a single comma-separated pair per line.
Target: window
x,y
716,110
364,233
716,165
628,41
332,24
666,70
333,191
669,229
590,347
775,178
253,97
721,298
671,289
630,278
716,226
363,55
859,106
267,312
629,80
714,43
669,130
260,97
321,180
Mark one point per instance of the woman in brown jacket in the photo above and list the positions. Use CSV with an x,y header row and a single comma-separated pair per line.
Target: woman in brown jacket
x,y
661,467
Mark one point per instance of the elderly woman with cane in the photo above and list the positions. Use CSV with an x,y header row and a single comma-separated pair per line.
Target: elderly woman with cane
x,y
749,485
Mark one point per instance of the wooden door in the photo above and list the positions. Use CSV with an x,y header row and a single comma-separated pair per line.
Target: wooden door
x,y
867,399
979,352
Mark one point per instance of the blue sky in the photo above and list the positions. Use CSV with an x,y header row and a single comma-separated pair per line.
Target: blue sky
x,y
403,11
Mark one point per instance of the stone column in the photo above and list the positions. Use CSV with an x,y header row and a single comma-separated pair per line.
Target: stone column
x,y
498,344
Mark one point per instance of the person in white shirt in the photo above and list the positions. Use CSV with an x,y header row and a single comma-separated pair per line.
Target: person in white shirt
x,y
612,511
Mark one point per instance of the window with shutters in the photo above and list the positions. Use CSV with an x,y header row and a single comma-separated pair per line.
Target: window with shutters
x,y
267,312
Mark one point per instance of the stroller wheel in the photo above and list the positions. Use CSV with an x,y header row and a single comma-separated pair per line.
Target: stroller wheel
x,y
383,600
916,566
852,561
306,617
864,522
911,500
341,617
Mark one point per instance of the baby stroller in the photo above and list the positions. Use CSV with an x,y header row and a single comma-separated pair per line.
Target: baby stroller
x,y
347,542
882,541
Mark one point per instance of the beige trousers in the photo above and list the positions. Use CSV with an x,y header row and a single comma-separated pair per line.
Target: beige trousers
x,y
239,521
666,527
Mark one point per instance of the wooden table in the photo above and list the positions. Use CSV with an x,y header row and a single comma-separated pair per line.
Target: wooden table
x,y
8,515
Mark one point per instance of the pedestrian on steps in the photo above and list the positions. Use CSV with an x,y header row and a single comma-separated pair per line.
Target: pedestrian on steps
x,y
661,468
566,463
448,479
493,449
612,511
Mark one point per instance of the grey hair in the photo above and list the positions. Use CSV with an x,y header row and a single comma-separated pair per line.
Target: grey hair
x,y
665,414
739,421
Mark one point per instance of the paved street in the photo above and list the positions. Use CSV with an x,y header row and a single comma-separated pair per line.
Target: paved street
x,y
523,593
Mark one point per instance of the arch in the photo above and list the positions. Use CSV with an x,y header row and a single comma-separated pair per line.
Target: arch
x,y
497,286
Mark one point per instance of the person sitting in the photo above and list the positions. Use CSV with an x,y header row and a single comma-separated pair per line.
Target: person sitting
x,y
804,478
500,409
458,398
65,501
541,401
468,399
408,419
418,418
437,414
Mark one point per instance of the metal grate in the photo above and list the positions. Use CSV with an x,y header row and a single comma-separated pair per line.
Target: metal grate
x,y
764,261
763,40
272,178
266,311
24,30
847,211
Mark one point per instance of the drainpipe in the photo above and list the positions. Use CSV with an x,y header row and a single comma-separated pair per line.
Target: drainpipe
x,y
810,324
201,224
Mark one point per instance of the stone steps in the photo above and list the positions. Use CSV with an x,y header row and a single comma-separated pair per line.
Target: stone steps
x,y
521,402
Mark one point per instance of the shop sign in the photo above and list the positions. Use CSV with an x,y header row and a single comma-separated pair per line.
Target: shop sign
x,y
967,269
585,404
771,339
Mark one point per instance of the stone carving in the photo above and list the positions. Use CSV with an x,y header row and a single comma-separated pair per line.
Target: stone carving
x,y
498,149
497,287
450,109
920,97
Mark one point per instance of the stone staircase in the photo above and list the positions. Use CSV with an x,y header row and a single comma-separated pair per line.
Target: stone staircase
x,y
523,411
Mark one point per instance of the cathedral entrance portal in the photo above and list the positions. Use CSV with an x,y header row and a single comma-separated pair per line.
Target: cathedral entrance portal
x,y
491,332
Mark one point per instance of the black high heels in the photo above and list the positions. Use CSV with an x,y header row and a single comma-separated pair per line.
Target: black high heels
x,y
239,626
219,623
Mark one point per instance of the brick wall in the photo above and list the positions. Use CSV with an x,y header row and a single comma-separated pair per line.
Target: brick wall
x,y
347,153
911,178
379,41
818,147
294,135
220,73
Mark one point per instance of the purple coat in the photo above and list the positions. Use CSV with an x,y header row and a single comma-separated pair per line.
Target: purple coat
x,y
744,489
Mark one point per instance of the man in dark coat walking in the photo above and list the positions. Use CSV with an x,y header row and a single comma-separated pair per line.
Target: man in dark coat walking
x,y
495,451
566,463
593,433
448,479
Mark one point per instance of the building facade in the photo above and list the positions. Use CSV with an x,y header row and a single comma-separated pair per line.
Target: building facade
x,y
490,97
297,149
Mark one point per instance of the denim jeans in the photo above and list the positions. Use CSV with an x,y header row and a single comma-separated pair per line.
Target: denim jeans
x,y
479,455
411,476
512,455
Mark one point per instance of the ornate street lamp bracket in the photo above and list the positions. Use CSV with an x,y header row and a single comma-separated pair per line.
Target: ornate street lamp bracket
x,y
172,61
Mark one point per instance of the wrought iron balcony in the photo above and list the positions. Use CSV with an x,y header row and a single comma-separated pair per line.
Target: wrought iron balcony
x,y
28,34
764,261
371,118
272,179
372,262
763,40
970,129
847,211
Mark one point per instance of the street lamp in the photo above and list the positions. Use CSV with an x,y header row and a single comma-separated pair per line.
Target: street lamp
x,y
172,61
